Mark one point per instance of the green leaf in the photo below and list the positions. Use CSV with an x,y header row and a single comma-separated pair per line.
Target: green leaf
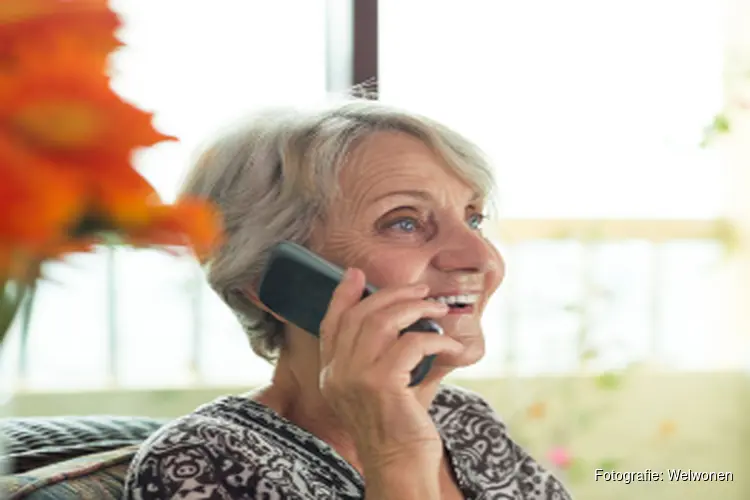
x,y
577,470
721,124
11,298
608,381
589,354
608,464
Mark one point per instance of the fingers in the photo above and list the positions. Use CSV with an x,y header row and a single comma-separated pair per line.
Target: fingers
x,y
405,354
346,312
347,294
382,327
360,339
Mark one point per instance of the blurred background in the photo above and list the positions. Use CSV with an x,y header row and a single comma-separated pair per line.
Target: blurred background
x,y
620,337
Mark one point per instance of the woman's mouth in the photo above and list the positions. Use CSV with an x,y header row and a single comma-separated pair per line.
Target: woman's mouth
x,y
463,303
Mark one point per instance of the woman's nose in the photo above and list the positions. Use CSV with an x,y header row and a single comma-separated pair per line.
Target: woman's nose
x,y
463,249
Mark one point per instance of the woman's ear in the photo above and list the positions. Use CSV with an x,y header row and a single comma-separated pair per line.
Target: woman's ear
x,y
249,292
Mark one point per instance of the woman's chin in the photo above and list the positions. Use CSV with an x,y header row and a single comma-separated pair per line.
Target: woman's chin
x,y
473,351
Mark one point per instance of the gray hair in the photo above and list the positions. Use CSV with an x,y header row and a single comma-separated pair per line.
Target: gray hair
x,y
274,177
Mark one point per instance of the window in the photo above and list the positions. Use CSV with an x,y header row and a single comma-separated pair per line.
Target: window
x,y
590,110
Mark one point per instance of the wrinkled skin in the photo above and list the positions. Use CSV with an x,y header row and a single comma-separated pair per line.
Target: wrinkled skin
x,y
402,220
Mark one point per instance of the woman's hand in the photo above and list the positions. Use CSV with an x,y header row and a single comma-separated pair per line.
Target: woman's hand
x,y
366,370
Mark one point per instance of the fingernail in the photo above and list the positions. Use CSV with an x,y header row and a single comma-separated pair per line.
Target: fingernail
x,y
347,274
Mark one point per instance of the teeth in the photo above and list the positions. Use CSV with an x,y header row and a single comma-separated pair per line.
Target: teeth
x,y
457,299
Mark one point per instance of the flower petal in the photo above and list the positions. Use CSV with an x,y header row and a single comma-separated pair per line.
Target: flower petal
x,y
71,115
34,30
189,222
38,200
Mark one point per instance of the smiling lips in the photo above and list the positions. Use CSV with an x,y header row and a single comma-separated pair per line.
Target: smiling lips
x,y
460,303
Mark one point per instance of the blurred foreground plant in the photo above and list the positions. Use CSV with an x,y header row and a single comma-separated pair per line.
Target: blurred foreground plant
x,y
67,182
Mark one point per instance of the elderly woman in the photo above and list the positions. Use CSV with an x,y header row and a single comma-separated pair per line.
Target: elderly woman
x,y
398,201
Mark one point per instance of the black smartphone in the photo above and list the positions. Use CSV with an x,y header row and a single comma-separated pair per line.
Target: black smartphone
x,y
298,285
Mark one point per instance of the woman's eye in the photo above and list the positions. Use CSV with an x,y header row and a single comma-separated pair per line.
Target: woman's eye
x,y
407,225
476,220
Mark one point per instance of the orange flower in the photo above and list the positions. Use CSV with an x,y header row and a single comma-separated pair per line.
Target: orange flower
x,y
29,28
537,410
70,115
21,12
66,141
189,222
667,428
37,208
37,204
124,197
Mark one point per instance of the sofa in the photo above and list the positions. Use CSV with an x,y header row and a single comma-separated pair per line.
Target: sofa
x,y
69,457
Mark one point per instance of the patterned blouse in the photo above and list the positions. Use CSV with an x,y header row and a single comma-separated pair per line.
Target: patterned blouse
x,y
237,448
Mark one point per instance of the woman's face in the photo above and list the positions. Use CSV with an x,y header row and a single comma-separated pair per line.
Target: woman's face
x,y
404,218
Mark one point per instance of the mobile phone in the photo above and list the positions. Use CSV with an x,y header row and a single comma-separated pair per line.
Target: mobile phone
x,y
297,285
